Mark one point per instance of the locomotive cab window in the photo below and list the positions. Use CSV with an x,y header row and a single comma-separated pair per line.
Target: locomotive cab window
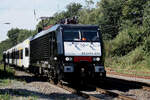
x,y
90,35
26,52
71,35
81,35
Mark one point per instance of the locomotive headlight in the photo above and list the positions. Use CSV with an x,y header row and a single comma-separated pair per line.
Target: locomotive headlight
x,y
96,58
68,59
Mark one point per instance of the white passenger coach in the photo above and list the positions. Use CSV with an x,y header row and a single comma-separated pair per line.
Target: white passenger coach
x,y
19,54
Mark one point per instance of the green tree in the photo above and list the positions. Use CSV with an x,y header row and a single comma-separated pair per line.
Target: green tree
x,y
109,17
73,9
13,35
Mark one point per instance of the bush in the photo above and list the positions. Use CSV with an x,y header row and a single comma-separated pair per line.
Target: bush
x,y
136,56
128,61
127,40
147,45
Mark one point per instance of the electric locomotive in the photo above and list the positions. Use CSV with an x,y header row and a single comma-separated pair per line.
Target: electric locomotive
x,y
65,51
70,52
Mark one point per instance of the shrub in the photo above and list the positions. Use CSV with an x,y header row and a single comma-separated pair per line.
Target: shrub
x,y
127,40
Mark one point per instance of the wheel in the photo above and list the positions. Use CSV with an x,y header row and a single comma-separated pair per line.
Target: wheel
x,y
55,79
104,75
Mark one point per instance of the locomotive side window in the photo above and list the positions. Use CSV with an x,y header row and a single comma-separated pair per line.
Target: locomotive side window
x,y
26,52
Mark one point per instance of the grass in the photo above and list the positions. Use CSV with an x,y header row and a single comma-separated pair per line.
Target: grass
x,y
5,82
135,62
9,97
132,72
5,97
7,78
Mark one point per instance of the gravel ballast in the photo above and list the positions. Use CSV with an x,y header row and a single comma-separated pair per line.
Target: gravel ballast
x,y
36,89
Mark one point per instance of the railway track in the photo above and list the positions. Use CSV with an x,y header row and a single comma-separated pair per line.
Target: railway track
x,y
119,96
77,92
123,88
99,91
146,88
134,84
112,94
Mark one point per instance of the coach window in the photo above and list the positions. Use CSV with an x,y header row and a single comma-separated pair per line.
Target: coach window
x,y
26,52
18,54
7,55
15,54
10,55
22,54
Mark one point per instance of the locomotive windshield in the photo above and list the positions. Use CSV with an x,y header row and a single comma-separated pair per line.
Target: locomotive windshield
x,y
71,35
81,35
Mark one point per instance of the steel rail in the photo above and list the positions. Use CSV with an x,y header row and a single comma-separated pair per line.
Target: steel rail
x,y
77,92
120,96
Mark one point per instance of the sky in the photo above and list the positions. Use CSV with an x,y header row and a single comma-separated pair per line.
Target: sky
x,y
20,13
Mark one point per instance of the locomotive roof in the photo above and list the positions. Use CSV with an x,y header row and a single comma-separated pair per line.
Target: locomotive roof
x,y
53,28
79,26
65,26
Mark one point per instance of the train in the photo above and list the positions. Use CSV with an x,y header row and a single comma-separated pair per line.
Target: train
x,y
69,52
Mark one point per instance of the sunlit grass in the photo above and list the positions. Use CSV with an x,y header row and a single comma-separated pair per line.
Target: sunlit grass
x,y
7,78
10,97
5,97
